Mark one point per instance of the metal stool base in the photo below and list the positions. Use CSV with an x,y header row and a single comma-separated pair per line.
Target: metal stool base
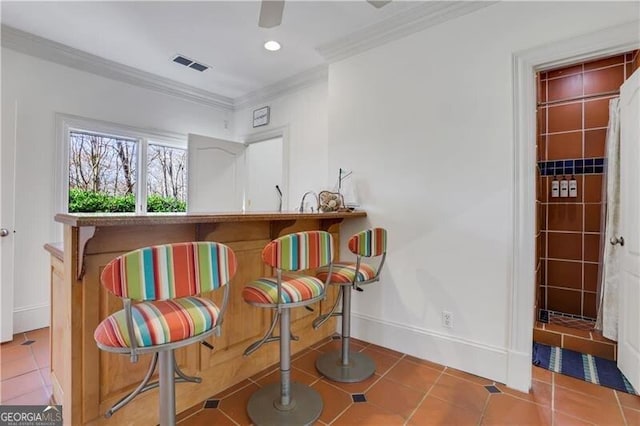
x,y
360,367
307,406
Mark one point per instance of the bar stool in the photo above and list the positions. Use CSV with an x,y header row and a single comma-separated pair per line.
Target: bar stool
x,y
164,279
343,365
287,403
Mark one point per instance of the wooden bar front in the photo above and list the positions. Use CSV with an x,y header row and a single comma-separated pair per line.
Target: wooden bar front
x,y
88,381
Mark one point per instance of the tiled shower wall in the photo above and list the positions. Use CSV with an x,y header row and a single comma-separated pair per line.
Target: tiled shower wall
x,y
573,114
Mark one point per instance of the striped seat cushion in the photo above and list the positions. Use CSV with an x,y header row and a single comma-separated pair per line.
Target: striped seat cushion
x,y
345,272
159,322
295,288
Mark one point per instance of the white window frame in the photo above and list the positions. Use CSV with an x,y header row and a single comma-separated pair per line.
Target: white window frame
x,y
66,124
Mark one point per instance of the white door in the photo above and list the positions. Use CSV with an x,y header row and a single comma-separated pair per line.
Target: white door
x,y
629,326
264,173
216,175
7,203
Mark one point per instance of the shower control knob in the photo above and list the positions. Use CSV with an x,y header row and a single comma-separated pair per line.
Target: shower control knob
x,y
618,240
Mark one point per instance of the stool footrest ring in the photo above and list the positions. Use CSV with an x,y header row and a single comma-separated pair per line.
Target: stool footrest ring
x,y
145,385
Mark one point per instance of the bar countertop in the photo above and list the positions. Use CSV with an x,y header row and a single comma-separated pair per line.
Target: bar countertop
x,y
120,219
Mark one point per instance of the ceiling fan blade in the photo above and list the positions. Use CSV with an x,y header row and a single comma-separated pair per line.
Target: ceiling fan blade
x,y
270,13
378,3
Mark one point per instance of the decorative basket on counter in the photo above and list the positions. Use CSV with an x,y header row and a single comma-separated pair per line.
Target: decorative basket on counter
x,y
330,201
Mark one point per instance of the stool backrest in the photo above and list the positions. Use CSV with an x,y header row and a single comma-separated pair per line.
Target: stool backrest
x,y
369,243
170,271
302,250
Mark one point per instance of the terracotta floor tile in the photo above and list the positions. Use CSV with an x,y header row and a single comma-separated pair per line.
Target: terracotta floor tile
x,y
360,387
335,401
264,372
336,345
505,409
628,400
395,397
631,416
41,334
434,411
541,374
20,385
235,405
577,385
46,376
360,342
230,390
41,354
586,407
17,367
16,340
208,417
296,376
368,414
13,353
467,376
382,360
307,363
561,419
567,330
416,376
433,365
321,342
460,392
386,351
184,414
540,392
598,337
35,397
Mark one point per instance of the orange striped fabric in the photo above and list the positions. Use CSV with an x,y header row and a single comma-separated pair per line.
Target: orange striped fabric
x,y
299,251
159,322
295,288
170,271
368,243
343,273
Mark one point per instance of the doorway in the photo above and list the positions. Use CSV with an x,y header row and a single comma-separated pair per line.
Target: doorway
x,y
572,119
264,177
526,63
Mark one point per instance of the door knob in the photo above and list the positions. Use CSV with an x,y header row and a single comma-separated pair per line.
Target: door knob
x,y
619,240
4,232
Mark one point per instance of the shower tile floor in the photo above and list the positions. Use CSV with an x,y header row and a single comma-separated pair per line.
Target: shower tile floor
x,y
576,323
404,391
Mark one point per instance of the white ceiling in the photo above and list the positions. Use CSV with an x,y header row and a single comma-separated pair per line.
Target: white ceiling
x,y
225,35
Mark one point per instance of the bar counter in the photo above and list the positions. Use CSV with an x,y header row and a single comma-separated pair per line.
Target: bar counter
x,y
87,381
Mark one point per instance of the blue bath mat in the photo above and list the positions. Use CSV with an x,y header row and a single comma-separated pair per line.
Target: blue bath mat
x,y
586,367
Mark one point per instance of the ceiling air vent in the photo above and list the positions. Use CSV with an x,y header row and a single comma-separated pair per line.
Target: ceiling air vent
x,y
183,60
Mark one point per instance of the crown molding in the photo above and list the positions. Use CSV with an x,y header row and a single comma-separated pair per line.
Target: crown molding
x,y
283,87
406,22
43,48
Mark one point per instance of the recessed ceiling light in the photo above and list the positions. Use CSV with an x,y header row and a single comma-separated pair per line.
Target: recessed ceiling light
x,y
272,45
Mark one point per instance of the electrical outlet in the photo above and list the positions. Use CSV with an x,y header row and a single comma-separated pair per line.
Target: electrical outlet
x,y
447,319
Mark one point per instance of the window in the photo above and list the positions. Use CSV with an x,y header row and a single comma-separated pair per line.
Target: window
x,y
166,178
113,169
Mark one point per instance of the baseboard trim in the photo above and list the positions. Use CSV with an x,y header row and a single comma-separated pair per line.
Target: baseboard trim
x,y
30,318
473,357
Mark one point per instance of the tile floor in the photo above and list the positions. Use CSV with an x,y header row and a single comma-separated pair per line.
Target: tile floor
x,y
24,369
404,391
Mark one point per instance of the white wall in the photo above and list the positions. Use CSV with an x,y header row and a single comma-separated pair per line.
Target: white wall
x,y
304,113
425,123
40,89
